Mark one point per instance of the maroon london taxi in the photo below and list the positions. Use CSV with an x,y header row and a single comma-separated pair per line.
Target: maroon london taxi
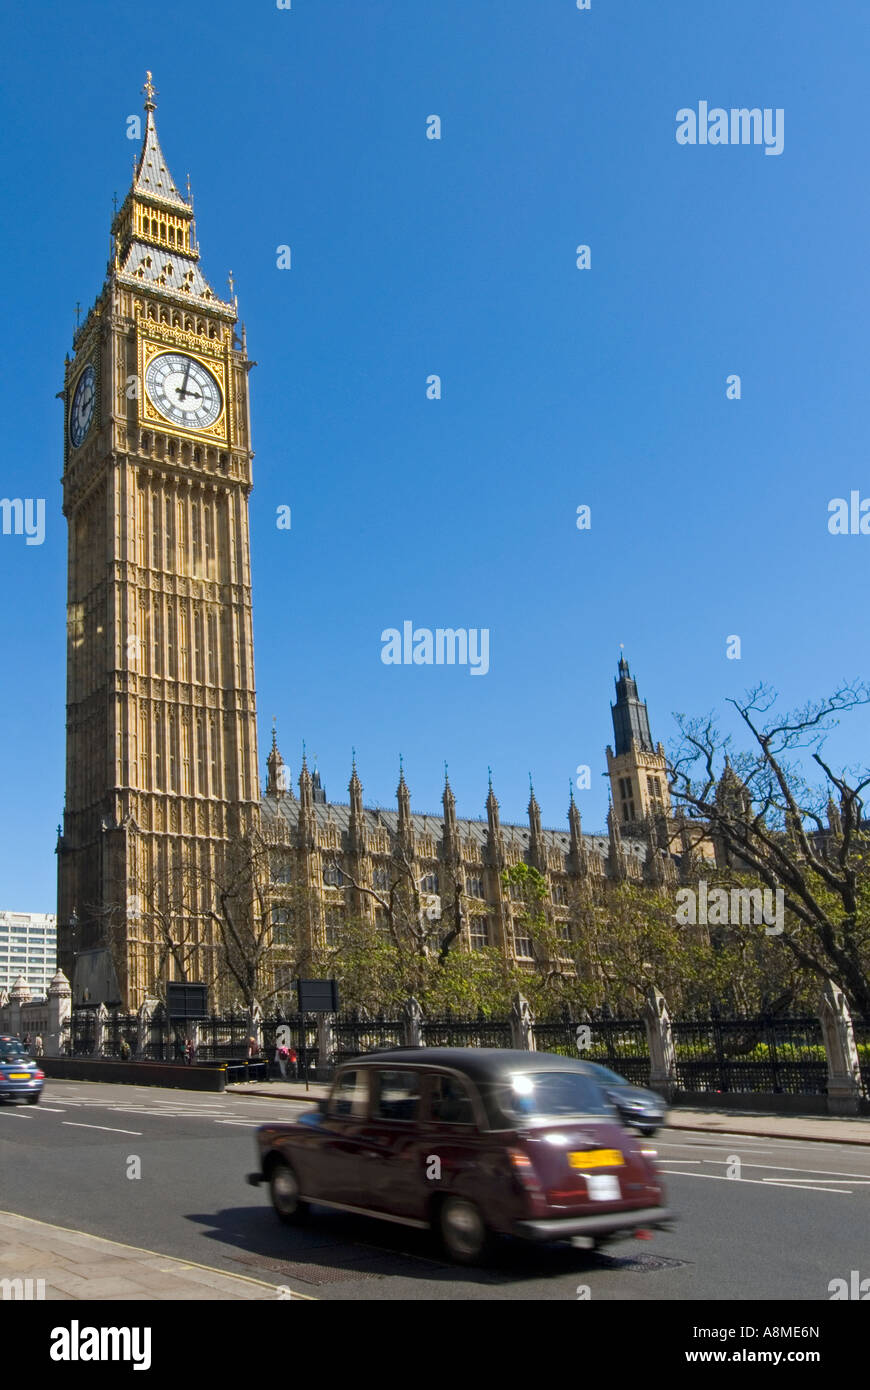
x,y
471,1141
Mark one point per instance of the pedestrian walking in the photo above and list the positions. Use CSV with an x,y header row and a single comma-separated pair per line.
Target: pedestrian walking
x,y
293,1060
25,1042
178,1049
38,1045
190,1052
282,1056
253,1048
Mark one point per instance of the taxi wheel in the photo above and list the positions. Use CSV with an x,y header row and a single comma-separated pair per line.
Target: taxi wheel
x,y
284,1190
31,1100
463,1230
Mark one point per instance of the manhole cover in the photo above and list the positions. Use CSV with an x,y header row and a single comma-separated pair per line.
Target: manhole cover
x,y
640,1264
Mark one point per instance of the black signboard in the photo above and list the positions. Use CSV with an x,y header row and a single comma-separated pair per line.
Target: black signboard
x,y
317,996
187,1001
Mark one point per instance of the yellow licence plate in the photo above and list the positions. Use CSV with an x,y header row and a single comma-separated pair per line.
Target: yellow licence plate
x,y
19,1076
596,1158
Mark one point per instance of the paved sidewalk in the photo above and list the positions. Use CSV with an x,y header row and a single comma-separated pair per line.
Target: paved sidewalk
x,y
76,1266
827,1128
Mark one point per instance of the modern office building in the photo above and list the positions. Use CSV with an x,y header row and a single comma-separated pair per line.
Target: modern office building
x,y
28,947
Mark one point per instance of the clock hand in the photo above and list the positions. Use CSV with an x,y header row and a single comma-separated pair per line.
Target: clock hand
x,y
182,389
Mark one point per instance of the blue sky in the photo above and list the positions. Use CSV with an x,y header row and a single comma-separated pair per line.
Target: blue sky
x,y
561,387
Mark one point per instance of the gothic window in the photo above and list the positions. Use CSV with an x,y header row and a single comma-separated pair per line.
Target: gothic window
x,y
155,531
282,926
209,538
474,886
170,645
153,226
283,872
382,921
157,633
173,786
332,876
170,547
196,543
560,894
333,923
182,533
285,978
381,879
200,759
197,644
478,933
563,932
141,512
183,650
212,655
158,752
429,884
171,236
522,943
213,752
185,758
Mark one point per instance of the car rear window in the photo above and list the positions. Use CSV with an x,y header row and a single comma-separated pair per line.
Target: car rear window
x,y
449,1102
350,1094
13,1052
398,1095
531,1095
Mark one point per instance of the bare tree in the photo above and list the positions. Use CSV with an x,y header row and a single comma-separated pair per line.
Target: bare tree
x,y
407,914
810,841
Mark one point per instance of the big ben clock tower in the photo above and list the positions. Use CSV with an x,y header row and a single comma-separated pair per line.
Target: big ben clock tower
x,y
161,719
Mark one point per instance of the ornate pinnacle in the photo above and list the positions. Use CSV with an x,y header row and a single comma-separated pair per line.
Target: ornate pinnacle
x,y
150,92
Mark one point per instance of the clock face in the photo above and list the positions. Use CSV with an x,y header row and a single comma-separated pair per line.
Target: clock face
x,y
82,409
183,390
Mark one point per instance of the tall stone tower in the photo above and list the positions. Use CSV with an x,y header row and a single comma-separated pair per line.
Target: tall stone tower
x,y
637,769
161,720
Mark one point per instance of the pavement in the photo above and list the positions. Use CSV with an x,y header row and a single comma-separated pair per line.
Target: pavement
x,y
824,1128
38,1260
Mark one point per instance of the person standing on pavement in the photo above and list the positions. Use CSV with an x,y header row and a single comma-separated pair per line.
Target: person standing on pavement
x,y
190,1051
281,1057
37,1045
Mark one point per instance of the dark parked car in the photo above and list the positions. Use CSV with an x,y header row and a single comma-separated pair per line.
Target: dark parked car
x,y
470,1141
643,1110
19,1074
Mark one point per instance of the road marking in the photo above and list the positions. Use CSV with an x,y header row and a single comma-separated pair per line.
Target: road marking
x,y
52,1109
15,1114
108,1128
757,1182
804,1172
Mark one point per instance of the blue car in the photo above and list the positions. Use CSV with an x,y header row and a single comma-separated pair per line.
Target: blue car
x,y
19,1074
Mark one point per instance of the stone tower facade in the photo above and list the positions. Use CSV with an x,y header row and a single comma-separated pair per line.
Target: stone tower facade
x,y
637,768
162,767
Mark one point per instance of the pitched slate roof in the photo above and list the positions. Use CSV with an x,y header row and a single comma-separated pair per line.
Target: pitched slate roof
x,y
153,179
276,810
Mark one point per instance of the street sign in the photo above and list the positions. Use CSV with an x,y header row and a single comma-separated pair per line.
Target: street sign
x,y
317,996
187,1001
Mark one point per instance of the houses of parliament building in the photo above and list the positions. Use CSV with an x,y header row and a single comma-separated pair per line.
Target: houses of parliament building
x,y
162,764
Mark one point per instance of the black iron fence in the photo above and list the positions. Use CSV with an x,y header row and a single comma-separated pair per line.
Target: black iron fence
x,y
718,1054
456,1031
779,1055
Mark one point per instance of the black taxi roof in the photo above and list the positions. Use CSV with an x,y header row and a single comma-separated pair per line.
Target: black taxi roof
x,y
480,1063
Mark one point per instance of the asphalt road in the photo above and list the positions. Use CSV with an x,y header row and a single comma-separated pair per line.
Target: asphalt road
x,y
797,1217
